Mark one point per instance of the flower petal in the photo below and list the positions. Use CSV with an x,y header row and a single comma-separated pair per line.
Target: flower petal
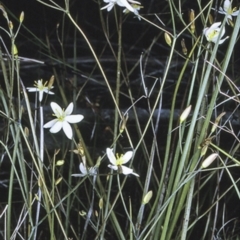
x,y
215,25
127,156
56,109
235,13
67,129
47,91
32,89
56,127
74,118
124,3
40,97
126,171
113,167
111,156
50,123
78,175
221,41
227,5
82,169
69,109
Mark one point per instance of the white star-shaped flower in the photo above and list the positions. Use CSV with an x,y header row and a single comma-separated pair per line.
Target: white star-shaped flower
x,y
40,88
63,118
213,32
85,171
228,10
117,163
121,3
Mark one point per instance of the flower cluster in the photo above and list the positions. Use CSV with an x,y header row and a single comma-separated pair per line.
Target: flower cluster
x,y
123,3
63,118
228,11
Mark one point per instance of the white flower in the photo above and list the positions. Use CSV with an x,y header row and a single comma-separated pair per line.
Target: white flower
x,y
41,88
84,171
212,33
116,163
121,3
227,10
63,119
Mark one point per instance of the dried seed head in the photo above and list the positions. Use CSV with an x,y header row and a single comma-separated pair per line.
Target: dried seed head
x,y
210,19
184,49
123,123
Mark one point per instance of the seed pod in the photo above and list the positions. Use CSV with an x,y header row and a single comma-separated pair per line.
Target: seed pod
x,y
184,49
51,82
217,121
192,20
58,181
123,123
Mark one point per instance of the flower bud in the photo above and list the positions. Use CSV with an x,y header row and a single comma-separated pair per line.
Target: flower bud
x,y
185,114
21,18
26,131
147,197
100,204
60,163
168,39
209,160
10,25
14,50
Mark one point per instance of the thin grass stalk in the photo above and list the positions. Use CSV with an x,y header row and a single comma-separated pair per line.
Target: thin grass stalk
x,y
198,104
149,157
168,227
162,85
187,212
131,225
68,208
116,103
48,201
104,76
